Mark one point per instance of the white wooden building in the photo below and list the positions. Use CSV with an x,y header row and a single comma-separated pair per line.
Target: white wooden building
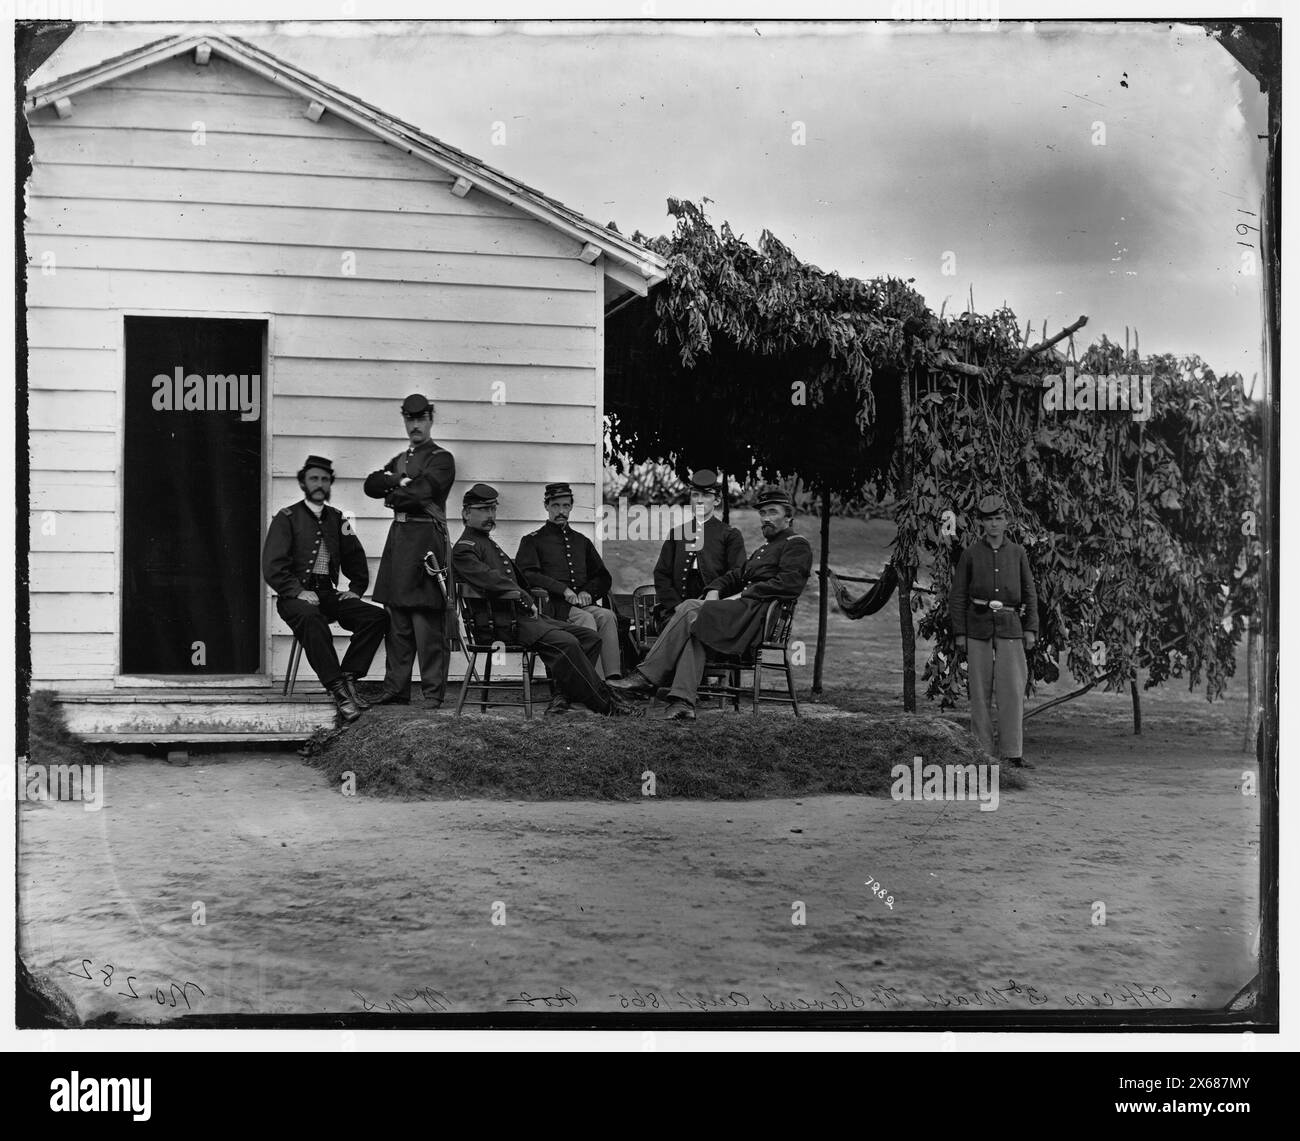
x,y
200,196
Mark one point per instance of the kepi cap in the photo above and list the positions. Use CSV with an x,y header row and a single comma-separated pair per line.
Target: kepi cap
x,y
772,494
317,462
705,480
480,495
416,405
992,505
556,491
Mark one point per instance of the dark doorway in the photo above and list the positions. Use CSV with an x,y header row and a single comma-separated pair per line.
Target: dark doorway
x,y
192,496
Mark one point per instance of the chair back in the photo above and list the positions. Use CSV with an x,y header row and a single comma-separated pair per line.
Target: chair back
x,y
778,622
484,621
644,623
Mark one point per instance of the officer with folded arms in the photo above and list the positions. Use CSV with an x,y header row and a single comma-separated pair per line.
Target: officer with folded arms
x,y
994,611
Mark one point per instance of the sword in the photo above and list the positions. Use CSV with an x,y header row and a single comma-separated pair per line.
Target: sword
x,y
437,572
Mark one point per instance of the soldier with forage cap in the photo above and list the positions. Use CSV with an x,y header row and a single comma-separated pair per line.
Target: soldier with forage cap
x,y
730,615
414,484
570,652
306,546
688,562
566,564
994,610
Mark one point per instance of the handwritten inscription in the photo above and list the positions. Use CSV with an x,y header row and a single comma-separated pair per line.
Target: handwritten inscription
x,y
422,998
110,977
841,996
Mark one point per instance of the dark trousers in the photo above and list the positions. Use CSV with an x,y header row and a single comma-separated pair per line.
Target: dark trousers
x,y
570,653
411,628
311,626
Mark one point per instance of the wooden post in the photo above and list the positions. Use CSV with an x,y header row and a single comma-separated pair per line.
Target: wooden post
x,y
726,499
1252,687
904,569
823,593
1137,706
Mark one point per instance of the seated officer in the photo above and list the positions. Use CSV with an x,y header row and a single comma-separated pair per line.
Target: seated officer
x,y
712,548
307,544
570,652
565,564
730,615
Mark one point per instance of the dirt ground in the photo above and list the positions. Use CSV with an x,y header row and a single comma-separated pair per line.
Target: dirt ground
x,y
313,901
319,902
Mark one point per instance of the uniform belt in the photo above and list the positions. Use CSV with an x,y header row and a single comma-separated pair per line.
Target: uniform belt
x,y
982,604
317,582
404,517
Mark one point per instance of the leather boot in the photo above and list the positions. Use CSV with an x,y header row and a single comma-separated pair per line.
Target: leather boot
x,y
343,702
350,683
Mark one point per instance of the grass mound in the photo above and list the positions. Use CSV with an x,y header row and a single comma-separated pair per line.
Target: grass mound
x,y
50,741
405,754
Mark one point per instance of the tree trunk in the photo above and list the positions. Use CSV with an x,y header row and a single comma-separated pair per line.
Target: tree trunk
x,y
1137,706
1252,687
823,593
905,572
726,499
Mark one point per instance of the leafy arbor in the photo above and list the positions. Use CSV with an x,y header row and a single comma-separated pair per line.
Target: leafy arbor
x,y
1139,532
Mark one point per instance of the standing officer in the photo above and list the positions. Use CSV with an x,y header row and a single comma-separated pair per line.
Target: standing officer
x,y
569,651
307,544
730,615
994,610
685,564
414,485
565,564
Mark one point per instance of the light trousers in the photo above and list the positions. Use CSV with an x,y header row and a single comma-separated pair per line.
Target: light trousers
x,y
605,622
997,664
677,655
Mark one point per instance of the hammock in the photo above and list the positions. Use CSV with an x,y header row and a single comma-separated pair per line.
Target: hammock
x,y
875,598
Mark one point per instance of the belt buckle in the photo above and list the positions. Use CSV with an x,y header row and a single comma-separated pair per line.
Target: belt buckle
x,y
399,516
994,604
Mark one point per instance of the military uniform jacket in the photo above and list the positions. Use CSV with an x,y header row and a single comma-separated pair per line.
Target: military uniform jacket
x,y
985,574
478,561
778,569
294,540
558,559
402,580
723,550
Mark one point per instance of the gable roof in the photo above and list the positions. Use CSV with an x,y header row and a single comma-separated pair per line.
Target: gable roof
x,y
633,267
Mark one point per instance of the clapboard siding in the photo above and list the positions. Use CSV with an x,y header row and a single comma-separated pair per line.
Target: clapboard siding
x,y
66,571
231,188
391,381
484,308
73,531
323,297
179,255
74,490
84,370
298,226
89,449
73,656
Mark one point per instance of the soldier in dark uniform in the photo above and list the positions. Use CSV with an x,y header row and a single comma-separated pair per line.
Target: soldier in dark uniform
x,y
730,615
994,611
305,547
565,564
414,484
570,652
689,562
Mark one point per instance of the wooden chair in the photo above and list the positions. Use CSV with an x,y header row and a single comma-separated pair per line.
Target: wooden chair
x,y
291,670
489,626
645,622
769,651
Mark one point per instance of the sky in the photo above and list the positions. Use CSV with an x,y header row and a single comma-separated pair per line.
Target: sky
x,y
1065,168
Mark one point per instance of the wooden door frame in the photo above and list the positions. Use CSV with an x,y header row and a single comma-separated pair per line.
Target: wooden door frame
x,y
262,678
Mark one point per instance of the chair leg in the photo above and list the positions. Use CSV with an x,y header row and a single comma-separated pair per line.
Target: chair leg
x,y
789,682
466,683
733,680
758,678
528,684
487,681
291,672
